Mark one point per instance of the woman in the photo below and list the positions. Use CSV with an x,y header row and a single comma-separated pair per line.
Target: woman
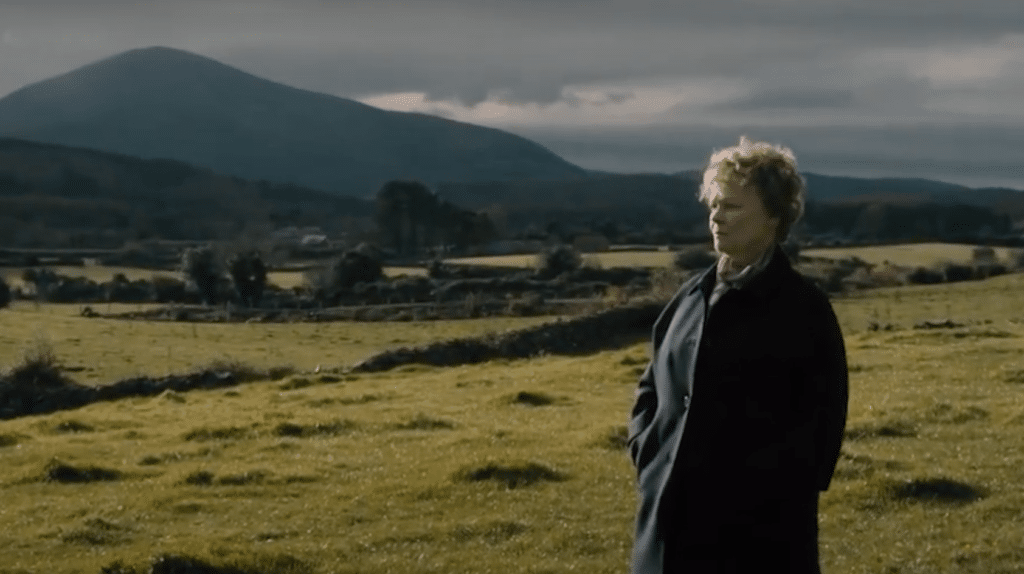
x,y
739,416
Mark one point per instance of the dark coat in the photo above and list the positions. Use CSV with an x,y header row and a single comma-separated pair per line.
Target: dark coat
x,y
737,424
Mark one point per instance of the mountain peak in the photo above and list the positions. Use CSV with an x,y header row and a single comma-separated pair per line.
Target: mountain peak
x,y
160,102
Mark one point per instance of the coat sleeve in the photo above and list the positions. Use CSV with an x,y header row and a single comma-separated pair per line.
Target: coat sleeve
x,y
830,381
644,404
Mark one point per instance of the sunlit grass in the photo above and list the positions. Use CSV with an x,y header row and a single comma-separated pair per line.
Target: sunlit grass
x,y
507,466
911,255
96,350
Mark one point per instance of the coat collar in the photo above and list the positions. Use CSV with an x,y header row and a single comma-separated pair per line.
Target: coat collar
x,y
764,284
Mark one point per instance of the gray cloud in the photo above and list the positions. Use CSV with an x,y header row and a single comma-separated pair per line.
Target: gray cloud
x,y
799,63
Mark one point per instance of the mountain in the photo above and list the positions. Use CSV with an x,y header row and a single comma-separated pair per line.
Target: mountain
x,y
167,103
62,197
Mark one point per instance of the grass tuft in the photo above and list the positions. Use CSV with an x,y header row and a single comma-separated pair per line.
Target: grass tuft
x,y
936,490
616,438
73,426
949,414
57,471
532,399
10,439
424,422
492,533
199,478
512,476
316,429
220,433
882,429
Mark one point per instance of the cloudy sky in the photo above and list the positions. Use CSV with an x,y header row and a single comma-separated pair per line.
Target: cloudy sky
x,y
915,88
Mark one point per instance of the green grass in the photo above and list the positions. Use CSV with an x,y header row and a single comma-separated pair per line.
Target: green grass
x,y
515,466
98,351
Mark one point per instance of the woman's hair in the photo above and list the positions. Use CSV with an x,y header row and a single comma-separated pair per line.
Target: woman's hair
x,y
770,169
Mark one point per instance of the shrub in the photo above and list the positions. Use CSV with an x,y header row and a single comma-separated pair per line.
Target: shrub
x,y
249,276
201,268
693,258
557,260
5,293
957,272
925,276
353,267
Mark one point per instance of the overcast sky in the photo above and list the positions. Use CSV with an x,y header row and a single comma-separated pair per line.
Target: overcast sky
x,y
923,88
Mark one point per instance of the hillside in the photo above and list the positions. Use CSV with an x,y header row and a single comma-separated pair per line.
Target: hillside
x,y
58,196
166,103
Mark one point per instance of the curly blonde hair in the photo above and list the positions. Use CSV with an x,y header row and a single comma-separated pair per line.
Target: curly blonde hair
x,y
770,169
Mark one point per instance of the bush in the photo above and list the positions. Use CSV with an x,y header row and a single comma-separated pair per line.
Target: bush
x,y
925,276
353,267
5,293
249,276
693,258
957,272
201,268
557,260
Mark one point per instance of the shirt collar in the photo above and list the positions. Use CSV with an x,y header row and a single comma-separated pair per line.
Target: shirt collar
x,y
740,279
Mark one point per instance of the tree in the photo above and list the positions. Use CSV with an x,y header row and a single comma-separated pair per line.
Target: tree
x,y
201,268
406,215
249,276
359,265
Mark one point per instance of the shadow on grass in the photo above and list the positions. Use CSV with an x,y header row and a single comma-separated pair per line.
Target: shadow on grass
x,y
512,476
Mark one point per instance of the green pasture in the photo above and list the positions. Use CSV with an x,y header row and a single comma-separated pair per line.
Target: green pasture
x,y
507,466
97,351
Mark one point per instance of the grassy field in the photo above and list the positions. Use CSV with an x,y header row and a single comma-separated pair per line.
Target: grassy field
x,y
105,350
912,255
604,259
102,273
509,466
918,254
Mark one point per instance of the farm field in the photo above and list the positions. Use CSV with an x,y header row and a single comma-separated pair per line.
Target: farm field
x,y
604,259
911,255
917,254
102,273
98,351
507,466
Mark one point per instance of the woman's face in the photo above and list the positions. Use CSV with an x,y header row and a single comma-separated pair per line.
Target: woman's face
x,y
740,225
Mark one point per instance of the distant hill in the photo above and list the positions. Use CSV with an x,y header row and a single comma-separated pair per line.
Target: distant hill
x,y
58,196
166,103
